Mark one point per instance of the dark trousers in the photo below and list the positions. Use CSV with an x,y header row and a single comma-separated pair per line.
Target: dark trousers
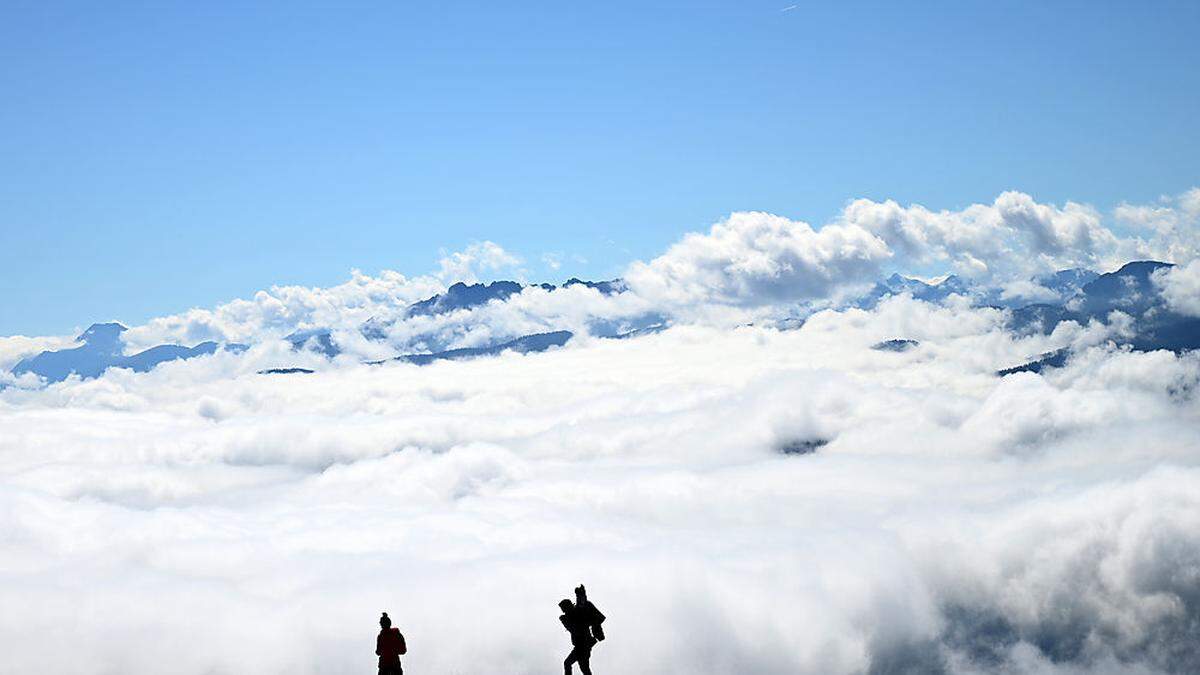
x,y
582,656
392,669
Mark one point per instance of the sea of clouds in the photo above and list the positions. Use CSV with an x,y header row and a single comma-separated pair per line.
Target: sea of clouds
x,y
203,518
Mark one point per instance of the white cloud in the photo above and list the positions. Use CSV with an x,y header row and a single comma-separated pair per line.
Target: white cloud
x,y
1173,226
1027,290
477,259
16,347
284,309
759,258
201,518
754,259
1014,237
1180,287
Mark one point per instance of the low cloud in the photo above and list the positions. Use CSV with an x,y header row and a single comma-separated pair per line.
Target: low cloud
x,y
215,520
1180,287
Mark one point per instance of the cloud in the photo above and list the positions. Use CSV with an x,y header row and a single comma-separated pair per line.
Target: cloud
x,y
1180,287
282,309
760,258
478,258
202,518
1013,237
756,259
16,347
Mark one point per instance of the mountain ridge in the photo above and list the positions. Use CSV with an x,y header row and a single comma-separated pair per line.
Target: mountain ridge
x,y
1087,296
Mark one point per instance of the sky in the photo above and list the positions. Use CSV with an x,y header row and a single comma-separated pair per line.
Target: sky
x,y
751,480
159,157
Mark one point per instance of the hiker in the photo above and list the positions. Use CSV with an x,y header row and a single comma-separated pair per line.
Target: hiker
x,y
389,646
582,620
591,614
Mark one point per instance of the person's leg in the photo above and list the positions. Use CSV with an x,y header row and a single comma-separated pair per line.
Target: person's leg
x,y
585,662
571,658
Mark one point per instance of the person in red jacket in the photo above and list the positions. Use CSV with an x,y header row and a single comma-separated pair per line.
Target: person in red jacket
x,y
389,646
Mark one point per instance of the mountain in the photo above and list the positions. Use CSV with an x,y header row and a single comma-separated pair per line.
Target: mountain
x,y
1086,296
1067,283
1130,290
609,287
462,296
919,290
1064,283
102,349
527,344
1041,318
1083,296
1055,359
146,360
895,345
319,340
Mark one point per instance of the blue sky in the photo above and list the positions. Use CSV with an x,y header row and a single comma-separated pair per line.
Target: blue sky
x,y
158,156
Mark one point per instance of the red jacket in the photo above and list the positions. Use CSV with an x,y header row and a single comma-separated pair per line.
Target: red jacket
x,y
389,646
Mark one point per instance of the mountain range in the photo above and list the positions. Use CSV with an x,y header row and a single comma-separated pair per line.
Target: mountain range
x,y
103,348
1078,295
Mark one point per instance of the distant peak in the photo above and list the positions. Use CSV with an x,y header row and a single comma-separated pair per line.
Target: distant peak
x,y
1142,265
102,334
106,327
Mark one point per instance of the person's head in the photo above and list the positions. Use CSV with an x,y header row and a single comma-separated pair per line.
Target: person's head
x,y
565,605
385,622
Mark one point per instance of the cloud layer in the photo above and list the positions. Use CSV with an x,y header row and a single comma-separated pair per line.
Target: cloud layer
x,y
200,518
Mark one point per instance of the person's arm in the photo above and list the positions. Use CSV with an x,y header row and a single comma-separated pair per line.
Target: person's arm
x,y
378,645
563,619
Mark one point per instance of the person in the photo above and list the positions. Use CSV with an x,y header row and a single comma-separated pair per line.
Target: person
x,y
581,638
389,646
593,615
582,620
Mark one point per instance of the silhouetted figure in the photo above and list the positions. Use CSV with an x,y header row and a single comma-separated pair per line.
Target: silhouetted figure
x,y
582,620
593,615
389,646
